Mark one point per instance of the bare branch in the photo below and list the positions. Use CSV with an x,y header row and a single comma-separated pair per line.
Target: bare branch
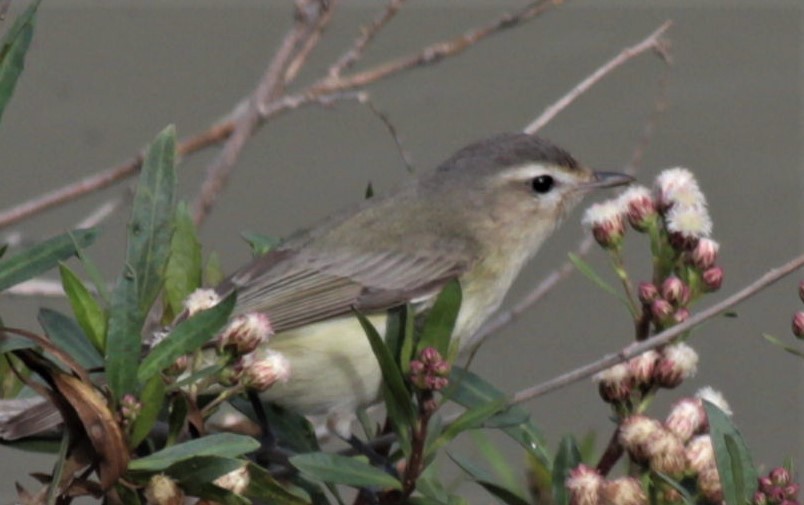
x,y
36,287
312,41
271,86
367,35
660,339
653,42
101,213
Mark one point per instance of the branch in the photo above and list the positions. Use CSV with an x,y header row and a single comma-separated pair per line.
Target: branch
x,y
271,86
663,338
653,42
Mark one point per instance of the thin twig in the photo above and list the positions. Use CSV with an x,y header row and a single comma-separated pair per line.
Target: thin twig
x,y
367,34
312,41
270,87
36,287
389,125
222,129
101,213
665,337
653,42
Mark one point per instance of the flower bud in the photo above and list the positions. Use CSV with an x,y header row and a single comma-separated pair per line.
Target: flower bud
x,y
700,453
704,255
606,222
675,291
615,383
687,417
712,278
640,207
648,292
779,476
709,485
584,485
201,299
760,498
642,367
665,453
680,315
634,433
179,366
430,371
677,362
661,310
798,324
714,397
245,333
130,409
236,481
263,368
624,491
162,490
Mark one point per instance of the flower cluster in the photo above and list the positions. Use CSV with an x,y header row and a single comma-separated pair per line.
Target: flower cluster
x,y
777,488
680,446
587,487
666,369
130,409
430,371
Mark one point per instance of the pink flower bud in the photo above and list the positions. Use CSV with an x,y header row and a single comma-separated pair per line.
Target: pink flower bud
x,y
624,491
765,485
606,222
642,367
675,291
661,310
798,324
430,371
677,362
263,368
704,255
615,383
687,417
779,476
681,315
712,278
801,290
640,207
584,485
648,292
791,490
709,485
634,433
760,498
245,333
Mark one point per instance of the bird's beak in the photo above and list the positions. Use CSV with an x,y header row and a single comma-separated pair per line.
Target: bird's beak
x,y
606,180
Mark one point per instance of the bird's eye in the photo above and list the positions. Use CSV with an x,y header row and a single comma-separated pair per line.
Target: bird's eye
x,y
542,184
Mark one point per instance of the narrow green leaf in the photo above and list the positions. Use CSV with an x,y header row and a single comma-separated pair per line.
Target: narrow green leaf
x,y
188,336
343,470
429,484
738,476
226,445
213,271
568,457
68,336
589,272
202,469
408,340
787,348
90,315
262,486
397,397
485,479
12,53
260,244
470,390
151,224
471,419
123,340
183,272
369,191
686,498
179,408
504,470
440,322
151,398
41,257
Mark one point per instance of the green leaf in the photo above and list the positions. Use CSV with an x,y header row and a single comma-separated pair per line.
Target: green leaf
x,y
213,271
68,336
12,52
202,469
369,191
226,445
41,257
686,498
440,322
123,340
787,348
470,390
186,337
151,398
260,244
589,272
568,457
90,315
151,224
343,470
397,397
484,478
262,486
472,418
183,271
738,476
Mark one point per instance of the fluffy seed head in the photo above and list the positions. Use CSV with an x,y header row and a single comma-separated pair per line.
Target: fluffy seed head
x,y
700,453
715,397
584,485
642,367
687,417
665,453
678,362
162,490
263,368
709,484
678,187
245,333
607,222
687,225
635,432
200,299
615,383
624,491
236,481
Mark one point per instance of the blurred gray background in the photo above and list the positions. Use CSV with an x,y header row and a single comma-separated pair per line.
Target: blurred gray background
x,y
103,78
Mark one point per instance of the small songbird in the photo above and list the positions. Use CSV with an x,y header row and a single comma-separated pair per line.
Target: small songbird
x,y
478,217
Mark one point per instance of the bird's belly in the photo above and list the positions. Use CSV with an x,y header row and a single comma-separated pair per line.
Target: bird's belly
x,y
332,367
